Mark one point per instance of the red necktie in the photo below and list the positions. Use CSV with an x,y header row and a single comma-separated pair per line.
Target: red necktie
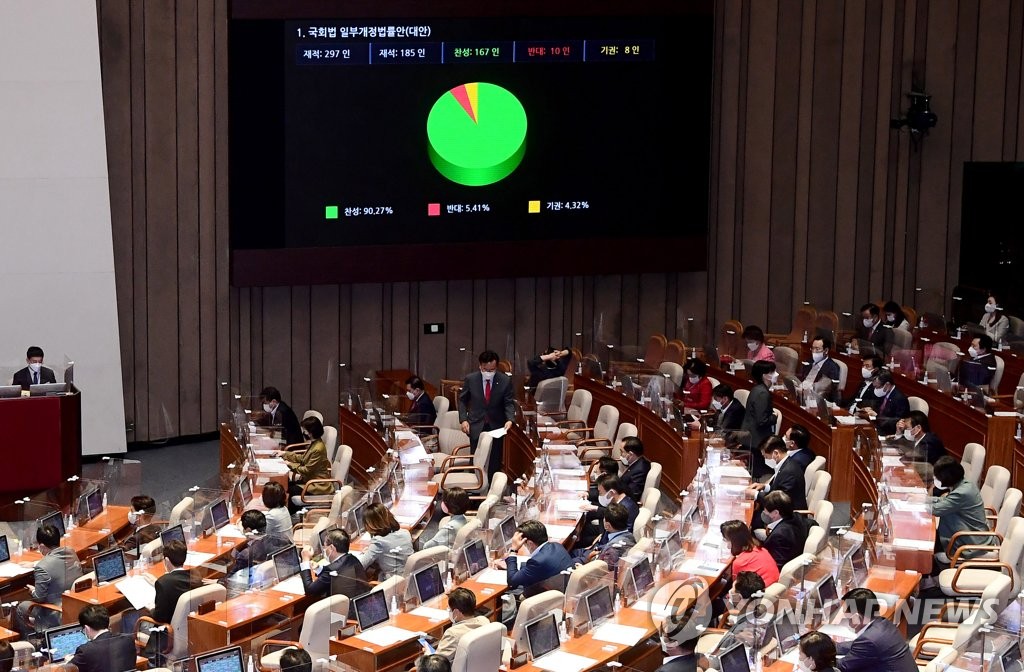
x,y
487,391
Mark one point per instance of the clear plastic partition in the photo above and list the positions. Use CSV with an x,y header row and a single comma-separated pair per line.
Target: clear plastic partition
x,y
88,500
989,648
123,478
62,366
592,605
252,567
19,521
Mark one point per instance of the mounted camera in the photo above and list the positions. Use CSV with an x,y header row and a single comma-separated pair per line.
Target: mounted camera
x,y
919,118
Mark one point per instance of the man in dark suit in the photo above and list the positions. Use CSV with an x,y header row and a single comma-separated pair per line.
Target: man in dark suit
x,y
879,644
615,540
871,331
342,575
422,411
863,397
279,413
730,411
788,478
786,531
979,369
637,467
105,651
546,560
487,402
892,404
821,374
174,583
926,446
798,441
678,634
610,490
35,373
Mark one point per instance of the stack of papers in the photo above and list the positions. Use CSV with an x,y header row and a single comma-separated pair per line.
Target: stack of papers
x,y
231,530
560,661
560,531
431,613
137,590
272,466
496,577
626,635
9,570
573,485
292,585
574,505
386,635
195,559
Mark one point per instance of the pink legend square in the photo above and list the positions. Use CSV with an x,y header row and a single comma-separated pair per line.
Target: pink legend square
x,y
433,209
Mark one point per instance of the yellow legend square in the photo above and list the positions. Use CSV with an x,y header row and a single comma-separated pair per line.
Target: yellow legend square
x,y
534,207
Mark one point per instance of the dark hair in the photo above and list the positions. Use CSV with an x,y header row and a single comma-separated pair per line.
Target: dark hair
x,y
984,341
273,495
314,427
773,442
617,516
95,616
533,530
738,536
897,311
462,599
777,500
144,503
799,435
948,471
254,520
919,419
271,394
488,356
748,583
6,657
414,382
175,551
876,361
753,333
435,662
884,377
34,351
633,444
861,601
608,465
296,660
820,648
697,366
48,535
379,521
871,308
339,539
826,342
759,369
612,482
722,390
456,499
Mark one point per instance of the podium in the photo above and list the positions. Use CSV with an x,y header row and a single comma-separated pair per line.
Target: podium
x,y
41,439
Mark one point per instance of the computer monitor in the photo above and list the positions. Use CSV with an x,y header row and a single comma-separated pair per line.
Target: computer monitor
x,y
109,566
225,660
371,609
599,604
1009,659
63,641
172,533
824,414
94,501
354,524
386,493
244,491
476,556
322,536
826,590
542,635
640,579
790,383
286,562
47,389
428,583
5,551
10,391
672,544
627,387
507,528
787,633
734,660
219,513
56,519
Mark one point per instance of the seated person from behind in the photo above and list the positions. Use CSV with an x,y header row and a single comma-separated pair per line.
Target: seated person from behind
x,y
311,464
959,509
422,411
342,575
696,392
35,373
53,574
552,363
390,545
747,553
817,652
871,331
175,582
105,651
545,559
754,337
454,503
260,545
462,613
924,446
879,644
279,521
821,374
613,543
892,404
6,657
745,585
786,532
433,663
610,489
296,660
979,369
894,317
634,476
871,365
788,476
678,635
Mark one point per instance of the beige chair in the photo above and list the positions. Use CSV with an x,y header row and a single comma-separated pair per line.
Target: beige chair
x,y
674,371
330,439
466,534
314,414
969,578
997,377
821,482
844,374
342,463
469,472
997,480
181,512
741,396
973,462
816,465
823,513
651,499
319,622
451,440
532,608
791,571
441,404
653,480
483,512
579,410
603,431
777,427
187,603
642,523
582,577
918,404
426,558
936,635
152,551
786,360
479,649
498,485
817,540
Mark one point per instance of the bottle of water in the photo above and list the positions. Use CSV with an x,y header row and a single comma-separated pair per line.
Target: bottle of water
x,y
804,338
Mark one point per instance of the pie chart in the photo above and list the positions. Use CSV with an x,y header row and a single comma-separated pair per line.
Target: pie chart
x,y
476,134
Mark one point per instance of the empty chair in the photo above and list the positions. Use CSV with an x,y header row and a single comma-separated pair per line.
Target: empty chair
x,y
816,465
792,570
817,540
602,434
918,404
651,499
642,523
997,480
653,479
480,649
937,634
579,409
181,512
532,608
319,622
674,371
582,577
970,578
778,420
820,484
471,477
823,513
675,351
451,440
483,512
786,360
844,372
441,404
973,462
498,485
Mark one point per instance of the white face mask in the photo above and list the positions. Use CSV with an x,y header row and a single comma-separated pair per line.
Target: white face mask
x,y
908,434
487,375
604,500
132,517
972,351
267,408
880,391
624,460
817,356
866,373
990,307
753,345
889,317
451,616
411,395
694,379
938,484
35,367
666,644
869,322
770,462
716,404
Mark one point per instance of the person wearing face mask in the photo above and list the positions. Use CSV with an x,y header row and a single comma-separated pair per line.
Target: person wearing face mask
x,y
759,352
894,317
817,653
463,617
614,542
422,411
925,446
140,517
610,490
745,584
259,547
311,464
788,476
959,509
280,414
798,442
696,392
786,532
342,575
679,633
979,369
634,476
545,559
730,412
821,374
872,336
879,644
869,368
995,324
487,402
35,373
454,503
552,363
892,404
759,416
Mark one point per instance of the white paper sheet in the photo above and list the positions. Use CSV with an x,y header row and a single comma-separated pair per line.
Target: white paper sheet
x,y
626,635
272,466
891,461
497,433
702,567
292,585
900,505
231,530
9,570
496,577
733,472
573,473
386,635
574,505
915,544
573,485
431,613
560,531
137,590
560,661
195,559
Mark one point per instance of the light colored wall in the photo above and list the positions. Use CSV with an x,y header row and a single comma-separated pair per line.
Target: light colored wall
x,y
57,274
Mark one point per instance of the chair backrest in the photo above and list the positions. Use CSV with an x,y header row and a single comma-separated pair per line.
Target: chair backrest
x,y
775,591
973,462
674,371
607,422
918,404
579,406
844,373
583,574
481,460
483,512
901,338
151,549
532,608
318,624
655,351
498,485
550,394
997,377
1009,510
741,396
675,351
816,540
786,360
330,439
392,586
997,480
1012,548
479,649
314,414
731,341
778,420
340,499
624,431
450,435
816,465
651,499
642,523
790,571
441,404
466,532
429,556
823,513
188,602
342,462
263,573
653,477
821,482
943,354
181,510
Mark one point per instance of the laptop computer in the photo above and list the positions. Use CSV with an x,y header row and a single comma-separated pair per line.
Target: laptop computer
x,y
109,566
371,609
475,556
286,567
62,641
542,636
507,529
48,390
5,551
219,513
386,493
174,532
224,660
354,520
428,583
787,631
827,596
639,580
10,391
244,492
734,659
321,538
56,519
600,606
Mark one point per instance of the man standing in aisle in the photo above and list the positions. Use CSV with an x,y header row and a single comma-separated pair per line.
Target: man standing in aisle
x,y
35,373
486,403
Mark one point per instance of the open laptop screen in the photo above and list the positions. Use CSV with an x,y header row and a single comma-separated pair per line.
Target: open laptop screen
x,y
225,660
286,563
599,603
5,552
428,583
371,609
172,533
63,641
109,566
542,636
476,557
56,519
508,529
219,513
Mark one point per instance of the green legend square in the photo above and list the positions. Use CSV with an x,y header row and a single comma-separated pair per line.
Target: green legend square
x,y
331,212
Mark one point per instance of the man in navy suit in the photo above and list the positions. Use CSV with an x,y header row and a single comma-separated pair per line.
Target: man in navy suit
x,y
730,411
637,467
280,413
487,402
422,411
892,404
105,651
610,490
788,478
35,373
342,575
879,644
927,446
547,559
979,369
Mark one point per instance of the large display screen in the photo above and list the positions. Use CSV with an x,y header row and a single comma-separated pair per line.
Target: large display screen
x,y
442,128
